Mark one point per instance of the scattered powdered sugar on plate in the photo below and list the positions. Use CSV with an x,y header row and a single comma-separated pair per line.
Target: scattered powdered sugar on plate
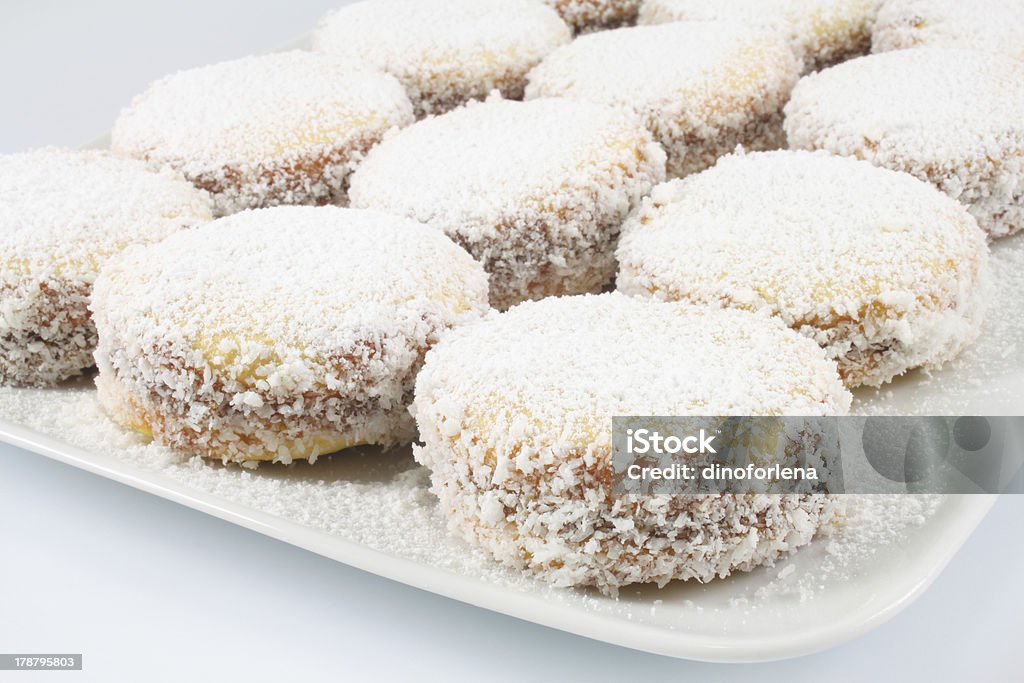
x,y
382,501
871,522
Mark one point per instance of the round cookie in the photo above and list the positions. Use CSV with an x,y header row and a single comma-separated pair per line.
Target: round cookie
x,y
284,128
702,87
593,15
536,191
821,32
63,214
952,117
881,269
278,334
994,25
515,415
446,52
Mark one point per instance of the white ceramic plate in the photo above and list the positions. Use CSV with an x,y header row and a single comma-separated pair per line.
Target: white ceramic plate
x,y
839,587
373,511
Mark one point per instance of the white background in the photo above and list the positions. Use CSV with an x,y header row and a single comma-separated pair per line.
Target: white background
x,y
148,590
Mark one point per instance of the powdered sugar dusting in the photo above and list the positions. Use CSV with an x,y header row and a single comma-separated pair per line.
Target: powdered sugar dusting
x,y
592,15
63,214
870,525
281,128
994,25
951,117
66,212
446,52
279,333
881,269
383,502
986,378
577,361
821,32
534,190
380,500
515,417
702,87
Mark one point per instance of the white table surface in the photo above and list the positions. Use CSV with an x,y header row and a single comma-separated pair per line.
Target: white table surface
x,y
151,591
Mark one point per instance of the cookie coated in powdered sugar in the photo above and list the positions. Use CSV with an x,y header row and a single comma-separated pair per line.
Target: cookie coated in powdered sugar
x,y
881,269
279,334
283,128
63,214
821,32
701,87
515,420
951,117
446,52
593,15
536,190
993,25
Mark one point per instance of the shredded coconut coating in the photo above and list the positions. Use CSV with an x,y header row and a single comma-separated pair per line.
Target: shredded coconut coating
x,y
446,52
951,117
881,269
536,191
278,334
593,15
994,25
821,32
283,128
515,417
62,215
702,88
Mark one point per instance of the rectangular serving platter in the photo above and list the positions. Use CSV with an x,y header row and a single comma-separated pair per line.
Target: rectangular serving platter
x,y
373,510
789,610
